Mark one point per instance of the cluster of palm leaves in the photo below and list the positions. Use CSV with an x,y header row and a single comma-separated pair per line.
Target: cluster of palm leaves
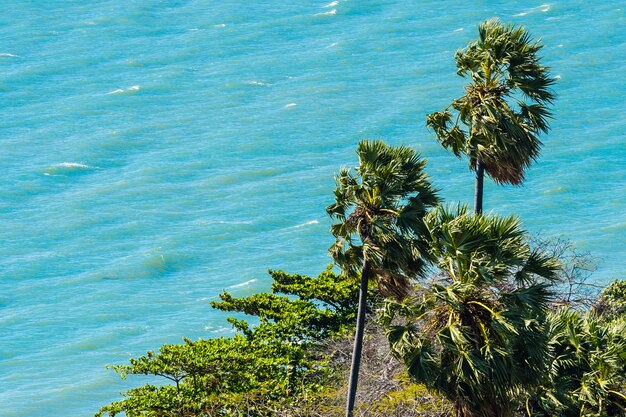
x,y
497,121
379,207
476,334
586,375
477,330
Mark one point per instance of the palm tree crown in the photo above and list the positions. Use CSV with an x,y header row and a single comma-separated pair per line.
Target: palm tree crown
x,y
475,334
504,107
379,212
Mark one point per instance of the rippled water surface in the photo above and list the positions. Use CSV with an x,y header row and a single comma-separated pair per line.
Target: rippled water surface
x,y
156,152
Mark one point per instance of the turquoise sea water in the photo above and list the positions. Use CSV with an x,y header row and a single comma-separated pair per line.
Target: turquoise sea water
x,y
156,152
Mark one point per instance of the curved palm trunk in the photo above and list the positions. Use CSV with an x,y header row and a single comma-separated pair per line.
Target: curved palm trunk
x,y
358,339
478,191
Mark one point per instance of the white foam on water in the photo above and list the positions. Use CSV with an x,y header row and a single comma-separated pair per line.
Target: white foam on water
x,y
557,77
329,5
221,329
543,8
330,13
73,165
458,30
305,224
333,44
221,25
234,222
261,83
65,168
290,105
121,90
243,284
230,222
7,54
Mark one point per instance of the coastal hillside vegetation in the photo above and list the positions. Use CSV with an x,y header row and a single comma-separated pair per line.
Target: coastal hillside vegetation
x,y
429,308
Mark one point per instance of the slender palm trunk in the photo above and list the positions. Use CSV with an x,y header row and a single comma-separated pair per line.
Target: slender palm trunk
x,y
478,191
358,339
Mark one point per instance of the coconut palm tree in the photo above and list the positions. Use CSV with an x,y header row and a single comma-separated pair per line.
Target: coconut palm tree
x,y
476,333
496,123
379,209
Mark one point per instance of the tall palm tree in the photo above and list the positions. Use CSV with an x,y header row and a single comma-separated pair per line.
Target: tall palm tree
x,y
476,333
379,209
497,121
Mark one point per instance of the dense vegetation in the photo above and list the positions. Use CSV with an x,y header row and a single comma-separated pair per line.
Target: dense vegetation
x,y
273,366
470,317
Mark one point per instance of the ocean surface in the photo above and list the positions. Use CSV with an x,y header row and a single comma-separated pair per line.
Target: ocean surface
x,y
155,152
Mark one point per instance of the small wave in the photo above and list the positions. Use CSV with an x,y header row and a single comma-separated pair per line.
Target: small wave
x,y
458,30
7,54
543,8
560,45
67,168
557,190
221,25
305,224
128,90
73,165
615,227
290,105
223,329
234,222
332,4
157,262
557,77
205,222
333,44
330,13
243,284
260,83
